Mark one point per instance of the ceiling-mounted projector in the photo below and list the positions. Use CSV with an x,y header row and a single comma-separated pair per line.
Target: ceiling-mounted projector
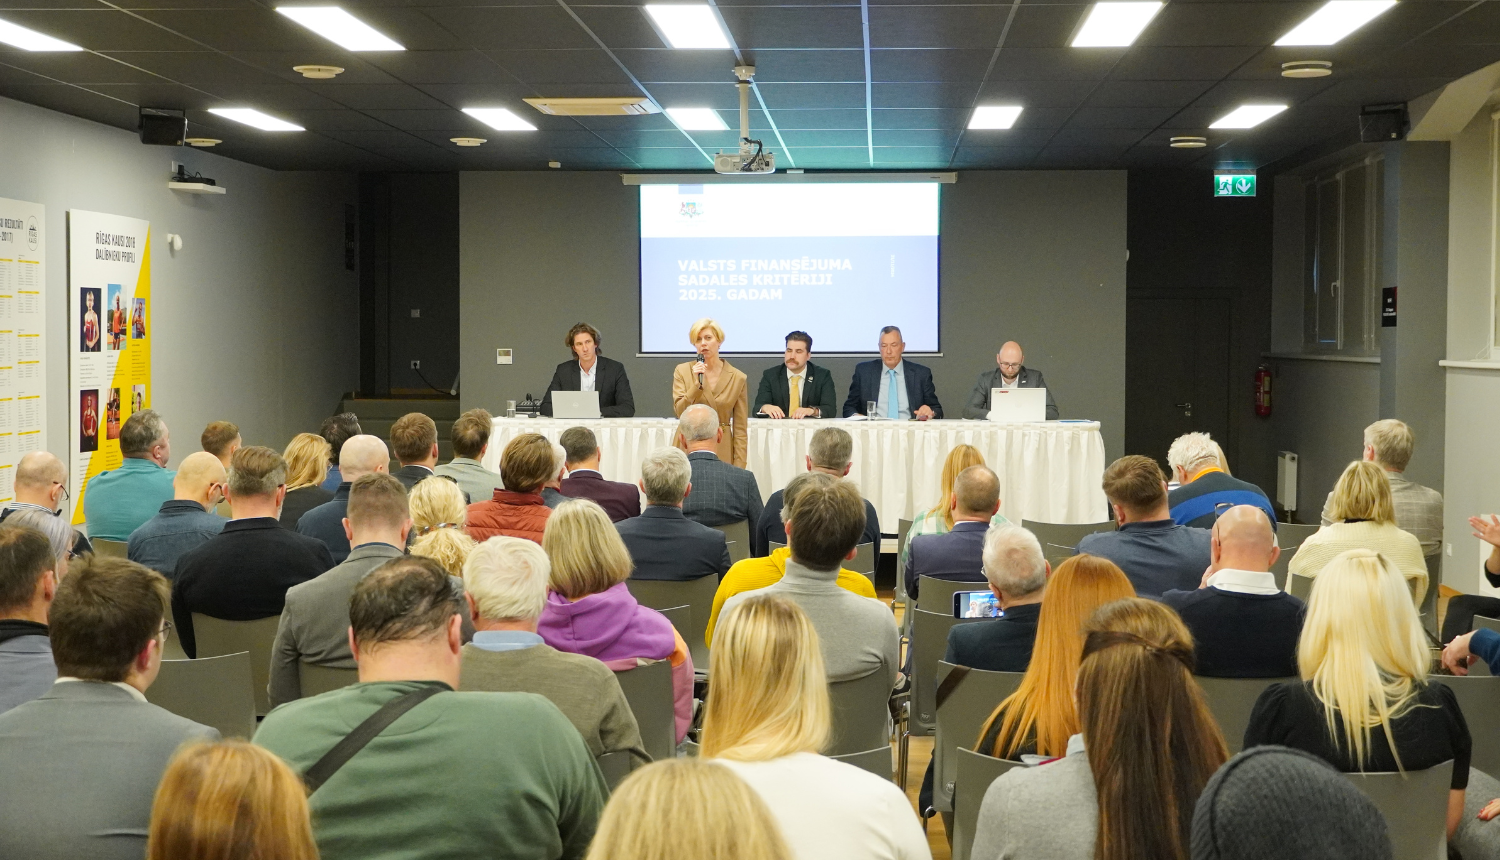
x,y
752,158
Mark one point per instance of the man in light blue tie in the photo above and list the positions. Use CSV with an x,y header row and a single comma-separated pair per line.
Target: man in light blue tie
x,y
899,389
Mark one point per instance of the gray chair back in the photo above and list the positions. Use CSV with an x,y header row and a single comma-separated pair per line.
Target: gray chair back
x,y
214,691
929,643
172,649
1299,586
648,690
216,636
697,595
738,535
1479,699
936,595
960,716
975,773
902,536
861,714
876,761
316,679
1279,569
615,766
1231,700
1063,537
1415,806
681,617
1289,536
1480,667
111,548
1428,609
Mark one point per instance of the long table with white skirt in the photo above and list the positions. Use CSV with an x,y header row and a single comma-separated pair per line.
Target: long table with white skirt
x,y
1049,472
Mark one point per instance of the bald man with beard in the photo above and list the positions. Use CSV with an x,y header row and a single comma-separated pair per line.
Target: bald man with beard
x,y
42,484
1010,372
186,521
361,455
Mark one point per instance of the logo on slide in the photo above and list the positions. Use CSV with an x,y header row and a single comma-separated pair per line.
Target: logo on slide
x,y
690,209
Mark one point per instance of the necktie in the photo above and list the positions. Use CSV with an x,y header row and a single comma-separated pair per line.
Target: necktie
x,y
796,399
892,399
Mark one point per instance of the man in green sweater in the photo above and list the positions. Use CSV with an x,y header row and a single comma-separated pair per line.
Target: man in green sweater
x,y
497,775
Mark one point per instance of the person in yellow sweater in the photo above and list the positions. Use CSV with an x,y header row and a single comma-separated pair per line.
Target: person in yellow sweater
x,y
753,573
1364,517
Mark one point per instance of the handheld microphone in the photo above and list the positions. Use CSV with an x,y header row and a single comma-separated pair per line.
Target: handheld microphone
x,y
701,359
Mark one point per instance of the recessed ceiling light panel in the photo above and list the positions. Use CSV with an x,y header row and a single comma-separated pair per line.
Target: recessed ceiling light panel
x,y
340,28
256,119
1115,24
991,117
500,119
1335,20
697,119
30,40
688,26
1247,116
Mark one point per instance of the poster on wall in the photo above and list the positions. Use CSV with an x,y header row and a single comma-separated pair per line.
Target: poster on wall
x,y
23,376
109,339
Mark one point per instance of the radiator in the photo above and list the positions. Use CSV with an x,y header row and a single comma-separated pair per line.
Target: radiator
x,y
1286,481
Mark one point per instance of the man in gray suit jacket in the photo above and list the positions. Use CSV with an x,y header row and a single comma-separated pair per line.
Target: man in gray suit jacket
x,y
1011,373
722,493
83,761
471,436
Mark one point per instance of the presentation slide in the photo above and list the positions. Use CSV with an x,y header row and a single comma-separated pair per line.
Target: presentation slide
x,y
838,261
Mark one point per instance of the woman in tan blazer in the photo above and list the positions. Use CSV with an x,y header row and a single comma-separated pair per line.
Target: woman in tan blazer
x,y
724,389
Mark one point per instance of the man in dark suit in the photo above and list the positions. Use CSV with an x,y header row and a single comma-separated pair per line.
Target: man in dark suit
x,y
662,542
812,385
361,455
900,389
618,499
1011,373
414,441
1017,573
590,371
830,451
959,554
722,493
243,573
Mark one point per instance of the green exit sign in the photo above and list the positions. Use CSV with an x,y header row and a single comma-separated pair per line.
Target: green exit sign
x,y
1234,185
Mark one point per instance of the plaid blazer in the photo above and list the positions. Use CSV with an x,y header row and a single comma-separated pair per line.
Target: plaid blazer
x,y
721,493
1419,510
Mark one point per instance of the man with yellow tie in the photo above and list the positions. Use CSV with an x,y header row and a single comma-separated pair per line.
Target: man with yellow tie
x,y
796,388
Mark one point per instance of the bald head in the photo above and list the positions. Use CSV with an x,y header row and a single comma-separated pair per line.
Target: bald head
x,y
363,455
39,480
200,478
1244,540
1010,359
699,427
976,494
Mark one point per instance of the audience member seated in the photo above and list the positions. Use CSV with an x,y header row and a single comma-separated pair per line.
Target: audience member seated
x,y
314,624
1204,485
938,519
436,784
830,451
306,467
1146,747
1275,803
664,544
590,611
1463,607
1363,656
751,574
1243,625
551,491
363,455
184,522
518,510
1364,518
243,572
117,501
722,493
770,715
1157,554
471,438
686,807
42,484
958,555
505,581
83,761
438,513
338,429
1017,575
1460,653
28,583
858,634
229,799
414,442
1419,510
584,481
221,439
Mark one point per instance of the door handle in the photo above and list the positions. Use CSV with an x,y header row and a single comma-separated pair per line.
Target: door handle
x,y
1187,409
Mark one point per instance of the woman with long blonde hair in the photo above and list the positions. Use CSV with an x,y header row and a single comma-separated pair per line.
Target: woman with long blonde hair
x,y
227,801
307,457
938,519
1364,517
1364,703
1039,717
438,514
768,716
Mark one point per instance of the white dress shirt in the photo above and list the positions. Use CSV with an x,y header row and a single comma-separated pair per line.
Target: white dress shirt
x,y
1244,581
586,377
134,693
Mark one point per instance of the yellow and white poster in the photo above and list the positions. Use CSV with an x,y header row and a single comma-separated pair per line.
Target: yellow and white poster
x,y
109,338
23,376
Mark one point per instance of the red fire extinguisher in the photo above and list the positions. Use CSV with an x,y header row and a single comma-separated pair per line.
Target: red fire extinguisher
x,y
1263,390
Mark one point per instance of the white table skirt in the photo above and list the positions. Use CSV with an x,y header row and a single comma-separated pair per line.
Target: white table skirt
x,y
1049,472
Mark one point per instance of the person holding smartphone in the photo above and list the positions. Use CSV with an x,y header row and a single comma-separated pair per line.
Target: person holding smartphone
x,y
1017,576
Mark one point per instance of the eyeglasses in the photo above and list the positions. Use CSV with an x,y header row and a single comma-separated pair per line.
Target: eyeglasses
x,y
166,630
1010,365
65,489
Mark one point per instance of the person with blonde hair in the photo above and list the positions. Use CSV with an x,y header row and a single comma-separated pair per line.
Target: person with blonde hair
x,y
938,519
1389,444
1364,703
307,457
230,799
589,610
714,382
686,807
1204,484
1363,518
437,517
767,718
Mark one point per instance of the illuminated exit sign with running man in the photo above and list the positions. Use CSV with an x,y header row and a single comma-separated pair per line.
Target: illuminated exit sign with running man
x,y
1234,185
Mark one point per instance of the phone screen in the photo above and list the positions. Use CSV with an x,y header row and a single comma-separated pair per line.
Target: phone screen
x,y
976,604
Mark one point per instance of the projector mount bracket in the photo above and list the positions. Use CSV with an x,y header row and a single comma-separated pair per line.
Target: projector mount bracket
x,y
750,150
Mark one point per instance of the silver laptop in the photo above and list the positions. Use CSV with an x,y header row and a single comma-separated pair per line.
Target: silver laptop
x,y
575,404
1015,405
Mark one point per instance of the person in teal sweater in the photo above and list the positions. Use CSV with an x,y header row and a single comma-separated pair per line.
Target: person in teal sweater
x,y
117,502
462,774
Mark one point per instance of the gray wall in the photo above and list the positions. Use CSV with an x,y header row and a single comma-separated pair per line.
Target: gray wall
x,y
1036,256
255,318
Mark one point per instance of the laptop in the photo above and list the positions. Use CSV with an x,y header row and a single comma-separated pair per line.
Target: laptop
x,y
575,404
1015,405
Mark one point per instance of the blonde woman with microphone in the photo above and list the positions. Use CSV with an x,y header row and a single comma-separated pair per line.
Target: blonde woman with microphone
x,y
716,383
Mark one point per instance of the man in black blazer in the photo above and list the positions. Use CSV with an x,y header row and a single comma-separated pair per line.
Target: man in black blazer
x,y
590,371
916,397
662,542
816,397
581,457
1010,373
414,442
